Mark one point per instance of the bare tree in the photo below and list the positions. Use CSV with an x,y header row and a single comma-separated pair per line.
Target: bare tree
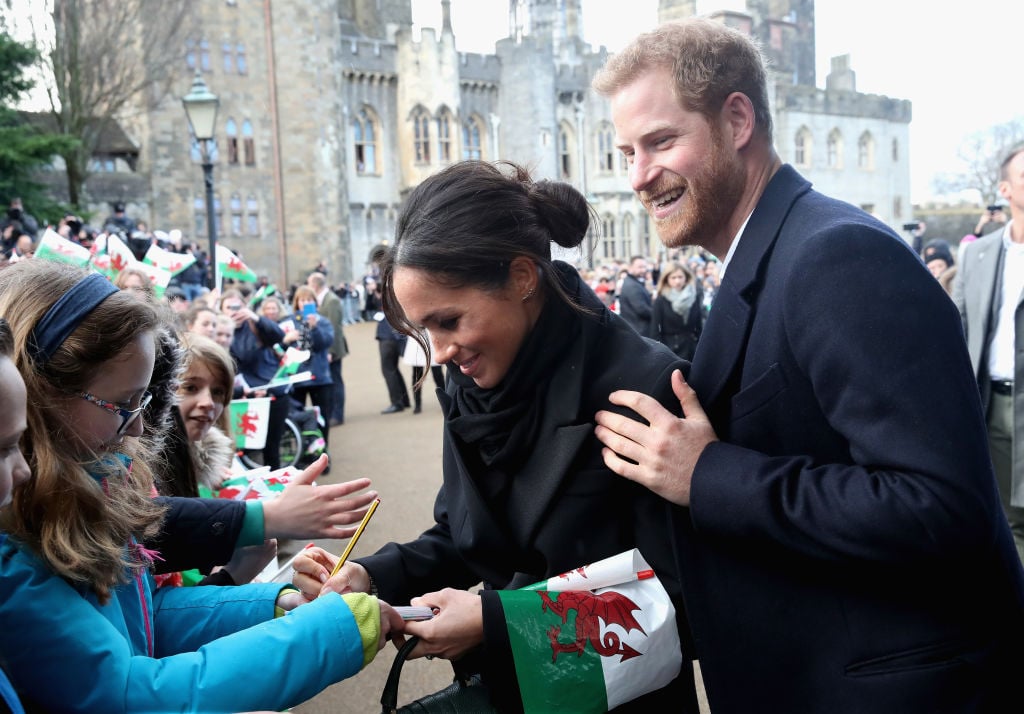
x,y
980,156
103,59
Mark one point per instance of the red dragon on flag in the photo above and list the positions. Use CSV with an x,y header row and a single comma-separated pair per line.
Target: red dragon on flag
x,y
591,609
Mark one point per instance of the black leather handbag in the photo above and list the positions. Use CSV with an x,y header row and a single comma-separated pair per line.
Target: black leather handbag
x,y
463,696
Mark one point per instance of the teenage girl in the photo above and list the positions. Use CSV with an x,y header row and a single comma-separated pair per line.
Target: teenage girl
x,y
81,626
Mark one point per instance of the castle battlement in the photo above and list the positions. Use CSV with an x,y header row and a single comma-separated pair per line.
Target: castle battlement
x,y
479,68
844,103
367,54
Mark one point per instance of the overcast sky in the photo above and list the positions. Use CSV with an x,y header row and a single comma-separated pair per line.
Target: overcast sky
x,y
959,68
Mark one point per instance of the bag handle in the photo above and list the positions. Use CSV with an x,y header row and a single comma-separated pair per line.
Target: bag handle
x,y
389,697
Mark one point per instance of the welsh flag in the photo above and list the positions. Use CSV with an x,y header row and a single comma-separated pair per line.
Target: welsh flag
x,y
290,362
159,277
53,247
231,266
173,263
590,650
256,484
249,420
120,254
102,263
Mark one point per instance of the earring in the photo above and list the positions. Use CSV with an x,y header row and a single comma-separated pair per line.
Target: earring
x,y
529,294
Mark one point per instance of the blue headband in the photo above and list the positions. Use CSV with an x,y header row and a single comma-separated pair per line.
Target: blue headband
x,y
67,314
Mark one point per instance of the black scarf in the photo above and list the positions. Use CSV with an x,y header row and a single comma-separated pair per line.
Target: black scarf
x,y
497,426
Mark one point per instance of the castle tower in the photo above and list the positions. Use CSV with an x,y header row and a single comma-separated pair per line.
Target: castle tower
x,y
670,10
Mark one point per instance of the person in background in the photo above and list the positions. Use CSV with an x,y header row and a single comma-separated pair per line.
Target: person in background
x,y
306,329
83,627
415,357
838,526
677,315
202,320
136,281
634,297
988,291
224,331
330,307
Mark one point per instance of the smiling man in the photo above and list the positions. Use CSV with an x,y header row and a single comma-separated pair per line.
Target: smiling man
x,y
839,532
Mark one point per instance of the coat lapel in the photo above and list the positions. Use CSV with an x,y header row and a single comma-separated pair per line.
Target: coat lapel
x,y
723,342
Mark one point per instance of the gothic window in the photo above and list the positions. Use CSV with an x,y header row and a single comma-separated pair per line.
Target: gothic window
x,y
802,148
627,235
608,235
252,215
471,145
895,150
228,51
606,148
565,152
866,151
204,55
196,150
236,214
199,215
365,135
835,150
444,136
231,131
248,144
190,54
240,63
421,135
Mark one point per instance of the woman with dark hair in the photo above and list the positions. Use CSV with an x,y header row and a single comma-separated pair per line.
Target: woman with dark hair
x,y
532,356
678,311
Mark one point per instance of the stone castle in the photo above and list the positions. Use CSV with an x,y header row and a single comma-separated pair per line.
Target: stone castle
x,y
331,111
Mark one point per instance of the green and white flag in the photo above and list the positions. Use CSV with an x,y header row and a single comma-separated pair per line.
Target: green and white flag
x,y
173,263
231,266
290,362
53,247
296,378
249,420
158,277
588,651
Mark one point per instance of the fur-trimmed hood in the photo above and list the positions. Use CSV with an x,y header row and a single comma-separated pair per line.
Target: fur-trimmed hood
x,y
210,456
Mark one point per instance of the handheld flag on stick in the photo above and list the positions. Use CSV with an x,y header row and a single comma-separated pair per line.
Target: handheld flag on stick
x,y
53,247
231,266
249,420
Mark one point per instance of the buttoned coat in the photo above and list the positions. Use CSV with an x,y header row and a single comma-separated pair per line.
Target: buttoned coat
x,y
844,549
977,293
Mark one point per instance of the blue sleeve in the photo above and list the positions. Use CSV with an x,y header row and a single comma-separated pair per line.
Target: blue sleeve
x,y
321,337
64,654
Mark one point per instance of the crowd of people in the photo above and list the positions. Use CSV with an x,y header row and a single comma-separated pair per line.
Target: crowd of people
x,y
830,529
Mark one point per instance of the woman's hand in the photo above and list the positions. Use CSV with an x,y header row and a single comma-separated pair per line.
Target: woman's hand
x,y
313,574
456,628
304,511
391,625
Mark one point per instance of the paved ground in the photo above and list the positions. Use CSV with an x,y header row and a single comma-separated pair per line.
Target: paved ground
x,y
402,454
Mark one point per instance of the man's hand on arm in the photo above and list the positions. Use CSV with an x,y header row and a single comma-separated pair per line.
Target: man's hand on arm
x,y
665,450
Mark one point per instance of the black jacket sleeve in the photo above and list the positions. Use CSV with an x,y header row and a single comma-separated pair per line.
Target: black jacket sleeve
x,y
197,533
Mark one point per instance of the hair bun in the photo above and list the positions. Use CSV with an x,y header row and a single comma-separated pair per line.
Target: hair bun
x,y
563,210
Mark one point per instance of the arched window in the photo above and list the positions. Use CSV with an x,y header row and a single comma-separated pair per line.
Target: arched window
x,y
240,63
472,147
218,213
231,131
252,215
606,148
248,144
421,135
444,136
802,148
835,150
627,235
365,140
866,151
204,55
199,215
566,145
228,52
608,236
190,54
236,214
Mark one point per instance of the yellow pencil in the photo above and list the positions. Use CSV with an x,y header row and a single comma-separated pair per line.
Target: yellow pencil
x,y
355,537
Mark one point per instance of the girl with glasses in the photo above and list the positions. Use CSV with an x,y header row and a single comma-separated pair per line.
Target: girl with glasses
x,y
83,628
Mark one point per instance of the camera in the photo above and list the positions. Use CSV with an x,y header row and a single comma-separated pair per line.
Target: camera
x,y
994,207
911,226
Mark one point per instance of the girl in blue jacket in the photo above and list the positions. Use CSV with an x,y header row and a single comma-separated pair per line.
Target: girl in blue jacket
x,y
81,626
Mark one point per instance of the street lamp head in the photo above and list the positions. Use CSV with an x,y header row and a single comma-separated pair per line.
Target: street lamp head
x,y
201,109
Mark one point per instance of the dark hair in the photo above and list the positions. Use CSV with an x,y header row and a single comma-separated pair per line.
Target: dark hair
x,y
6,339
466,224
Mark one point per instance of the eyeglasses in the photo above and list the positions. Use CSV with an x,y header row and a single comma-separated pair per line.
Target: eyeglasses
x,y
127,415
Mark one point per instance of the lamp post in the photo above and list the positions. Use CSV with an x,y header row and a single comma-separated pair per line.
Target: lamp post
x,y
201,109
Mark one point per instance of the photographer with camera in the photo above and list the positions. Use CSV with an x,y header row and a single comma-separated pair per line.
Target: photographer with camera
x,y
16,213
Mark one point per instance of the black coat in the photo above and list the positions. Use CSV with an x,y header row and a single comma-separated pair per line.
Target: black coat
x,y
635,304
564,508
